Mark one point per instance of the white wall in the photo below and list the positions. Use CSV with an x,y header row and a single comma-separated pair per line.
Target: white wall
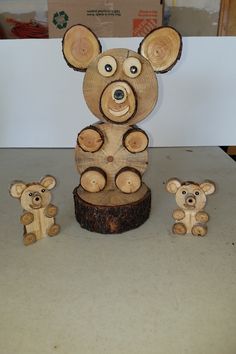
x,y
41,103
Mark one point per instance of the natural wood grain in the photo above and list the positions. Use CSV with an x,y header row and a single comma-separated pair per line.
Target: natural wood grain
x,y
39,214
90,139
93,179
191,199
141,91
128,180
135,140
162,47
80,46
112,156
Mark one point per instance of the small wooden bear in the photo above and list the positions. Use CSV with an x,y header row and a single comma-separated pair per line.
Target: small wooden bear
x,y
191,199
120,89
39,214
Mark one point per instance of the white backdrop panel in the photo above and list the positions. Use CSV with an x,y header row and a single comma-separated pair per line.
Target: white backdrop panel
x,y
41,102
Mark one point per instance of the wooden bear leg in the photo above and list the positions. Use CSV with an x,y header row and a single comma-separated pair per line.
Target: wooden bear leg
x,y
53,230
199,230
29,239
179,228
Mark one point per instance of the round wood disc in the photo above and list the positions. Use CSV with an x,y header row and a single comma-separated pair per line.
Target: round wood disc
x,y
90,139
93,180
135,140
128,180
80,46
108,218
162,47
112,155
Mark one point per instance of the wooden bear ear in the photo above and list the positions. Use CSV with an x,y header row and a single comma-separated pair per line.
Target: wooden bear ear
x,y
17,188
162,48
208,187
49,182
172,185
80,46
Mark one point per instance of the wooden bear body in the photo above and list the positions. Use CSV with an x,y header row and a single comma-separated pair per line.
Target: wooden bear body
x,y
191,200
120,88
39,214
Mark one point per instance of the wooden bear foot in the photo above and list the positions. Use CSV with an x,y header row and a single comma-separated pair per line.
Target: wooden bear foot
x,y
112,212
53,230
29,239
199,230
179,228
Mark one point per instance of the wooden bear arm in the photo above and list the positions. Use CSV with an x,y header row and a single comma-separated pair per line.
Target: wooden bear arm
x,y
202,216
27,218
51,211
178,214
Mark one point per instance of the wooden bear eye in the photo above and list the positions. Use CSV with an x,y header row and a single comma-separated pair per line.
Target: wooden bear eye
x,y
196,193
30,194
43,190
132,67
183,192
107,66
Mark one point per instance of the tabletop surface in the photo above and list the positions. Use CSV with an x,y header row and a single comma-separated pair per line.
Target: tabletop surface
x,y
145,291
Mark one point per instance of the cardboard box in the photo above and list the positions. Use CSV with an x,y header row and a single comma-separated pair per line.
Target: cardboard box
x,y
117,18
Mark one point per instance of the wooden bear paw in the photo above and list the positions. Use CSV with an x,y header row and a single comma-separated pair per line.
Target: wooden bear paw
x,y
27,218
199,230
29,239
51,211
179,228
53,230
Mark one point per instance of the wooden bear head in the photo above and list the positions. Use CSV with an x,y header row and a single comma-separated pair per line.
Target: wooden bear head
x,y
190,195
120,85
33,196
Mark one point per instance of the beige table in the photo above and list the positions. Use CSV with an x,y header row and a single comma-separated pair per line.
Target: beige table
x,y
142,292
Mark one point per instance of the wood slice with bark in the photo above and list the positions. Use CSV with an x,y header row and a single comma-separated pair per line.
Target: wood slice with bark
x,y
128,180
93,179
90,139
135,140
112,155
162,47
111,212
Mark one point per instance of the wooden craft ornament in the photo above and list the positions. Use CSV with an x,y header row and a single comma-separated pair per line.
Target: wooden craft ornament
x,y
39,214
191,199
120,88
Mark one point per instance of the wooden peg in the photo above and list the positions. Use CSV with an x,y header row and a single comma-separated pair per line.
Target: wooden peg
x,y
39,214
191,199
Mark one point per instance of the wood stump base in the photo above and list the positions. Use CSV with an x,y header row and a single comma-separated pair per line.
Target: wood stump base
x,y
98,212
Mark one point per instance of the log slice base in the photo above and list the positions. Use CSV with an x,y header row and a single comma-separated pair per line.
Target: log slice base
x,y
109,218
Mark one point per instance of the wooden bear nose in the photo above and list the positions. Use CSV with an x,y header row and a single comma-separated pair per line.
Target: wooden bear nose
x,y
119,94
191,200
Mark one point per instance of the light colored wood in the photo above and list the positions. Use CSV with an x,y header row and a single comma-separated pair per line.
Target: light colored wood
x,y
191,200
162,47
107,66
112,198
141,90
80,47
112,156
118,102
135,140
128,180
132,67
39,214
93,180
90,139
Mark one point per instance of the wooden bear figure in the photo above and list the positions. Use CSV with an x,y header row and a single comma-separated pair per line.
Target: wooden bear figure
x,y
191,199
120,88
39,214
